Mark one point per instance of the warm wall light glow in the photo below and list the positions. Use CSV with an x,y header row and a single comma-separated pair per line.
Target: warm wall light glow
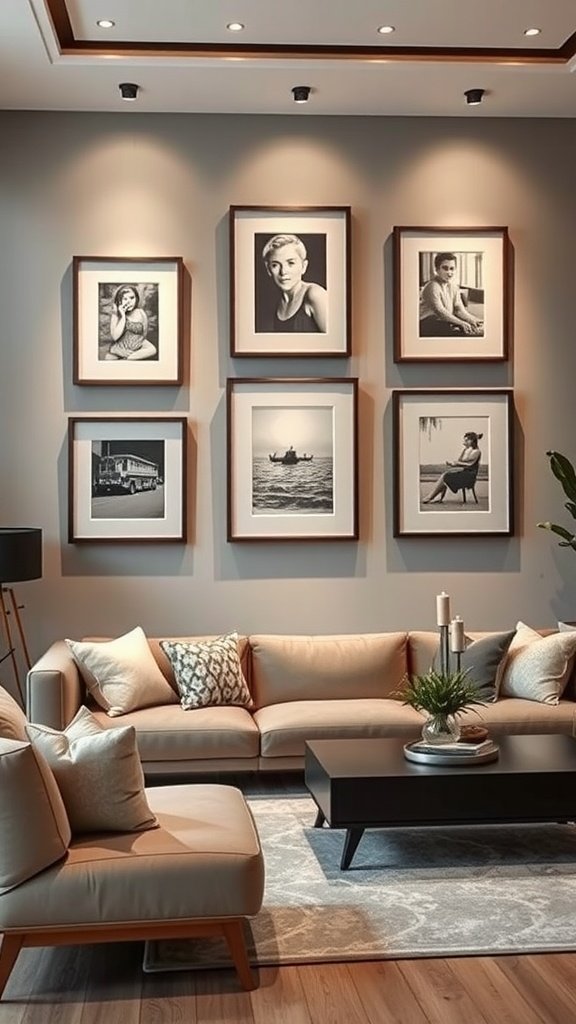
x,y
384,30
235,26
532,31
105,23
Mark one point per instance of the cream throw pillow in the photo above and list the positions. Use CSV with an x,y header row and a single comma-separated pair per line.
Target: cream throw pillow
x,y
99,774
537,668
122,675
34,828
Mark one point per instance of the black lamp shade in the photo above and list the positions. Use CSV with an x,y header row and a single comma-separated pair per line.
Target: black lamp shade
x,y
20,554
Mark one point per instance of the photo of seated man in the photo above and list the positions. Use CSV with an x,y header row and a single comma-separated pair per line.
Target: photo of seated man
x,y
451,294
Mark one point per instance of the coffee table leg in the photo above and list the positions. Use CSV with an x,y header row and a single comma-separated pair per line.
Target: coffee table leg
x,y
320,819
353,837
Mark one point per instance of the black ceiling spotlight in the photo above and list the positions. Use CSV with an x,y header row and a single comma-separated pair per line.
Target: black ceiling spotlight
x,y
301,93
474,96
128,90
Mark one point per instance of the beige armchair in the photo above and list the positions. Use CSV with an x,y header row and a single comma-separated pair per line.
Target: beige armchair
x,y
199,872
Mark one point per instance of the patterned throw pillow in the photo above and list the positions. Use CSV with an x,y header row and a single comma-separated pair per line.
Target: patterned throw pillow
x,y
208,672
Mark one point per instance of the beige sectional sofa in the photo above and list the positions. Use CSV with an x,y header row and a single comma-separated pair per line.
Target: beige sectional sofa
x,y
303,687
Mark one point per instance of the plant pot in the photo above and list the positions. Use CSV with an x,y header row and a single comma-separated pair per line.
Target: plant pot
x,y
439,729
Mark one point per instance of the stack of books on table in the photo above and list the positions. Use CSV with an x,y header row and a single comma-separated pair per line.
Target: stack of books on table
x,y
460,749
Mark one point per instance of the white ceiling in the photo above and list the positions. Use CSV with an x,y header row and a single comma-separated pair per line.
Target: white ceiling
x,y
181,56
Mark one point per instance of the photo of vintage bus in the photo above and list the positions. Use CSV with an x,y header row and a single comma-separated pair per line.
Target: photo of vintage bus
x,y
124,473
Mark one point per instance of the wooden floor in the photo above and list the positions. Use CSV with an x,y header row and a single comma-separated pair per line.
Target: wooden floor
x,y
105,984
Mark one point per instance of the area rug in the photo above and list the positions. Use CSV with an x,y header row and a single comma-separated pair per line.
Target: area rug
x,y
410,892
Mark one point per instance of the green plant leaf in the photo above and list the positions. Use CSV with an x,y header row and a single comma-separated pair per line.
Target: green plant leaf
x,y
564,472
441,693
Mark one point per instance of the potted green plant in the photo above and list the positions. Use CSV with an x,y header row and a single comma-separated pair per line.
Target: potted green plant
x,y
563,470
441,696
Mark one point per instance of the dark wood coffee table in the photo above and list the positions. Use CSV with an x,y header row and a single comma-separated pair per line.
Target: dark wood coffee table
x,y
368,783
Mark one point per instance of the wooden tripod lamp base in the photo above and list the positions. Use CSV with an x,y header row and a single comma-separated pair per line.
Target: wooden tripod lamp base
x,y
20,559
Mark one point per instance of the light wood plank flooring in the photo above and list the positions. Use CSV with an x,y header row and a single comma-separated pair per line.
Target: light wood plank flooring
x,y
106,985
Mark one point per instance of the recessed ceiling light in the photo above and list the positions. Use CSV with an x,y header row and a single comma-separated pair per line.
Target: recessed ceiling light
x,y
105,23
532,31
235,26
385,30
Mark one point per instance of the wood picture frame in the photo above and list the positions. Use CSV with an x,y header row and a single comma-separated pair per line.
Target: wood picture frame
x,y
292,458
442,486
127,479
128,320
451,294
290,289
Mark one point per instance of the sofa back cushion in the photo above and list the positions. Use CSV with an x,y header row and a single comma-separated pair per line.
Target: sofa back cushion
x,y
34,828
287,668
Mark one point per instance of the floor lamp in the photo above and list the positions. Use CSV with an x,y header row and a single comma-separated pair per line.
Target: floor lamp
x,y
20,559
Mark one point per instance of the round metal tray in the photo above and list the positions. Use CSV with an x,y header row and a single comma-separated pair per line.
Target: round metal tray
x,y
454,760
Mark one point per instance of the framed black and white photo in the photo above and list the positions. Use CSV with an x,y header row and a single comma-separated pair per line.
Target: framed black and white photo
x,y
453,463
451,294
292,459
127,479
127,320
290,281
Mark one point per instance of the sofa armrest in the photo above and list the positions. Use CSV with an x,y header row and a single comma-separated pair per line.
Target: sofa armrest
x,y
54,689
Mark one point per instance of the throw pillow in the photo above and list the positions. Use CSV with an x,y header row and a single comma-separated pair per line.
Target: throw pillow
x,y
537,668
99,774
33,823
122,675
208,672
12,718
483,661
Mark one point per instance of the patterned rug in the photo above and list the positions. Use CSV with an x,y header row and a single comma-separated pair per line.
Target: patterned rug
x,y
410,892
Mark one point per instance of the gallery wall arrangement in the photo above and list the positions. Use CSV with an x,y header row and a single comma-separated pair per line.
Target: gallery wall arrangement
x,y
292,444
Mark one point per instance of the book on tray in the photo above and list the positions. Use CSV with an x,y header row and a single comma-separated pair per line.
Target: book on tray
x,y
457,749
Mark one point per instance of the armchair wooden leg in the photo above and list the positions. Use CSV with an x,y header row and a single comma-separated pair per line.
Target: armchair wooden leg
x,y
234,935
11,946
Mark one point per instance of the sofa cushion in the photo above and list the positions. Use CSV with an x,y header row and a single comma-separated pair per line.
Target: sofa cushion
x,y
99,774
537,668
122,674
294,668
208,672
34,827
173,734
516,715
204,860
285,727
12,718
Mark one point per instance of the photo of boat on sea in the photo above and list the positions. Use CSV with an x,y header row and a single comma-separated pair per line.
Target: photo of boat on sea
x,y
292,461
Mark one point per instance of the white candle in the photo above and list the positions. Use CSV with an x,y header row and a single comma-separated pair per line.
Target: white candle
x,y
443,609
457,643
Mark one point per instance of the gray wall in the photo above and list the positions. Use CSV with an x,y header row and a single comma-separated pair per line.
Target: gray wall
x,y
129,184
